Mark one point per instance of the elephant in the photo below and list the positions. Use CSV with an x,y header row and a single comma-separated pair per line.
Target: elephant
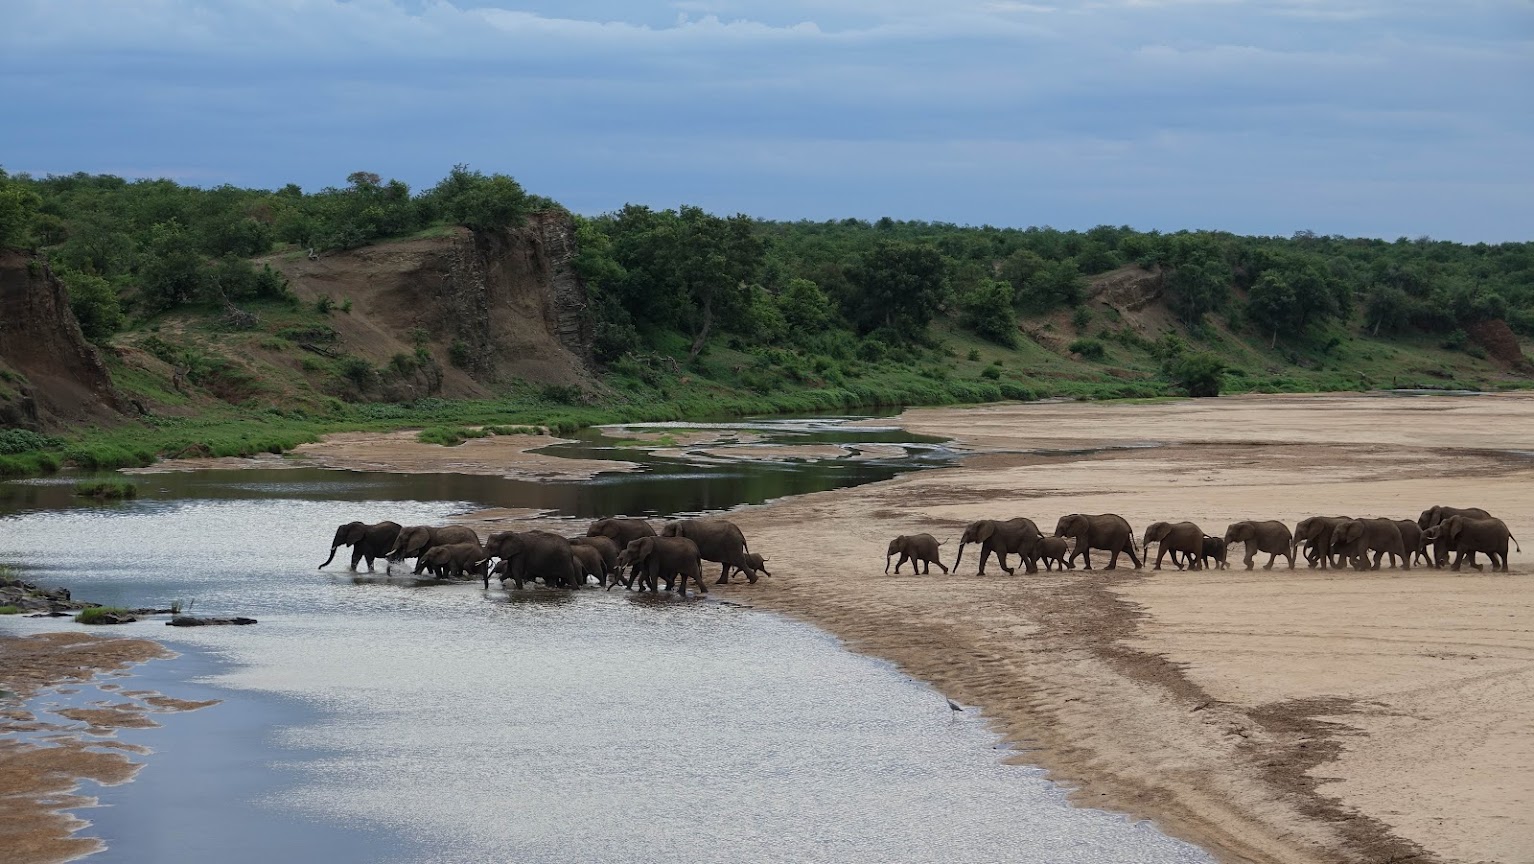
x,y
367,541
1175,537
718,540
1411,538
1270,536
413,542
533,554
1055,551
605,547
621,531
1466,536
1106,531
919,549
456,559
665,557
1317,531
1356,538
1215,551
590,563
756,562
1436,515
999,538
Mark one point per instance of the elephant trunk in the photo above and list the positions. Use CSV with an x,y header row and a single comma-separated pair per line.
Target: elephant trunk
x,y
959,557
332,555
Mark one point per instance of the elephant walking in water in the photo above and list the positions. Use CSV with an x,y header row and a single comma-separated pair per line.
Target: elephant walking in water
x,y
529,555
668,558
456,560
999,538
719,540
417,540
919,549
1270,536
367,541
1107,531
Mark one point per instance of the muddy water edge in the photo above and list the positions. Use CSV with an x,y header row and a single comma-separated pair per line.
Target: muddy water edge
x,y
375,718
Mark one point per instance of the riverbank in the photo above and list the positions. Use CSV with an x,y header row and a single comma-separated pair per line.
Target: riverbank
x,y
1283,716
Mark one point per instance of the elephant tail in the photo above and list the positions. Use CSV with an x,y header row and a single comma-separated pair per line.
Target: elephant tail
x,y
1515,542
332,555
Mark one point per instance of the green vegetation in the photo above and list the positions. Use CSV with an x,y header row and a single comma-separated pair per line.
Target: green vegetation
x,y
9,610
111,490
99,614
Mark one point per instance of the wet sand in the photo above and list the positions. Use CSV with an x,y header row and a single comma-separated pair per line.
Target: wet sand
x,y
1283,716
38,782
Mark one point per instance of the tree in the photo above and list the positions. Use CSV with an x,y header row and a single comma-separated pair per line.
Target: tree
x,y
898,286
987,310
17,207
1271,304
1386,309
172,270
1198,286
94,302
805,307
481,203
1055,283
1200,373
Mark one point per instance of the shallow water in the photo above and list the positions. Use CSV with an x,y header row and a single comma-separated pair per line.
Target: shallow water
x,y
366,719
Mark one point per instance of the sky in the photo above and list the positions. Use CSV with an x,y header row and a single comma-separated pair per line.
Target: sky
x,y
1382,118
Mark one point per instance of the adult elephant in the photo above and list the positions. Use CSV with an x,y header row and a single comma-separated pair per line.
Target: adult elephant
x,y
719,540
1317,532
590,563
1270,536
1107,531
456,560
531,555
1466,536
1437,515
665,557
919,549
1356,538
1014,536
367,541
417,540
620,530
1175,537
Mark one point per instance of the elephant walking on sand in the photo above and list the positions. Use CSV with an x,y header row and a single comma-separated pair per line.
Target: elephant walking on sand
x,y
669,558
1356,538
1465,536
1317,532
718,540
1411,538
919,549
1214,552
1175,537
367,541
1107,531
1055,553
1270,536
999,538
1437,515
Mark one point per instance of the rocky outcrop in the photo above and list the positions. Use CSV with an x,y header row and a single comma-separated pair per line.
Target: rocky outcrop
x,y
1501,344
50,377
1129,289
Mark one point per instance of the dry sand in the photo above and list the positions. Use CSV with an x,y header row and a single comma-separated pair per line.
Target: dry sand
x,y
37,783
1294,716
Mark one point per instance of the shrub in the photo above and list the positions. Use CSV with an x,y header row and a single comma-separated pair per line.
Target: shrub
x,y
14,441
95,304
99,614
111,490
10,610
1081,319
1456,340
562,394
358,371
1090,349
459,354
1200,374
991,373
974,355
323,304
346,306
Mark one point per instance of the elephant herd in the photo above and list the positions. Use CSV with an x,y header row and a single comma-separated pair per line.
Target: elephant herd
x,y
1325,542
614,551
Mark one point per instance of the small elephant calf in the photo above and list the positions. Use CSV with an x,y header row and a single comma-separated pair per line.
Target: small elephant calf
x,y
916,548
1055,551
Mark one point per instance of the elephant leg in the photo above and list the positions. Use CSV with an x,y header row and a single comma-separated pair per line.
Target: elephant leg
x,y
370,563
1379,555
1459,557
926,567
357,556
942,567
1129,549
1160,551
985,555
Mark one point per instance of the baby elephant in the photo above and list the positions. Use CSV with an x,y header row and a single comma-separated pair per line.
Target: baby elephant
x,y
1214,552
455,561
753,560
917,549
1055,550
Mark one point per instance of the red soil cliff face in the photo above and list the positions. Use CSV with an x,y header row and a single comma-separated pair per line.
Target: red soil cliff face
x,y
50,377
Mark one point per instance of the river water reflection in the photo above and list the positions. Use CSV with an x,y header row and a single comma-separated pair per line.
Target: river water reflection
x,y
370,720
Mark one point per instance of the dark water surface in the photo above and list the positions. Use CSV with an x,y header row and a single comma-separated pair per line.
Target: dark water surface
x,y
370,720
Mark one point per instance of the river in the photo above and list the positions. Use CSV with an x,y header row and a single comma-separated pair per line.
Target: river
x,y
372,718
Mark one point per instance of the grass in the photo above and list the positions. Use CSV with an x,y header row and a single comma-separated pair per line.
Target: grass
x,y
96,614
9,610
109,490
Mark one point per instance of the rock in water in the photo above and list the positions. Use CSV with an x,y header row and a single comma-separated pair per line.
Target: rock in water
x,y
189,621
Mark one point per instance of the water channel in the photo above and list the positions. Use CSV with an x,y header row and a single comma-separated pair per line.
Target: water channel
x,y
377,720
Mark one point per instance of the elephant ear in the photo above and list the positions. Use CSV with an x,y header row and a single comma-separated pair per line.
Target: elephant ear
x,y
1454,525
986,530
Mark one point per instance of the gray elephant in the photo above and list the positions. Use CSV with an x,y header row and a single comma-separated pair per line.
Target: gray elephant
x,y
1270,536
1175,537
1108,531
415,541
620,530
1411,538
919,549
755,562
367,541
1465,536
1214,552
1436,515
456,560
605,547
1014,536
532,555
1316,531
719,540
590,563
665,557
1055,553
1356,538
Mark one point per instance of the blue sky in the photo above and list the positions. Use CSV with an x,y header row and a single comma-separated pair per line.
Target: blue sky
x,y
1368,117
